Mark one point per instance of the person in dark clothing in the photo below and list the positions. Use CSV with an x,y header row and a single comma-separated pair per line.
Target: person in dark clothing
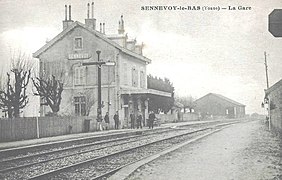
x,y
139,120
116,119
107,120
151,119
132,119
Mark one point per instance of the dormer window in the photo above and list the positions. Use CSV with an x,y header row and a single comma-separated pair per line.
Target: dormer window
x,y
78,43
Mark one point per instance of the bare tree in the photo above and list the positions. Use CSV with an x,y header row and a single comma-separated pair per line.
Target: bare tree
x,y
13,95
90,101
50,90
5,97
49,84
187,101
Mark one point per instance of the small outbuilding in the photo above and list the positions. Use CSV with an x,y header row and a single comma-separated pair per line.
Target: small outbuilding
x,y
216,105
273,95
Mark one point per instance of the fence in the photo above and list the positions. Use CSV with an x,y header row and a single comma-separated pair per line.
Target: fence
x,y
168,118
30,128
190,117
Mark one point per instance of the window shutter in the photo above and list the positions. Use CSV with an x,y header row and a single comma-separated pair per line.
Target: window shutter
x,y
125,78
76,76
142,79
81,75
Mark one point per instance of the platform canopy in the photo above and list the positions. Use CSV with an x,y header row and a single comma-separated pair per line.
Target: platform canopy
x,y
144,91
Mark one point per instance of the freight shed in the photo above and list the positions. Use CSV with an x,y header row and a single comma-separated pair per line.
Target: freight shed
x,y
216,105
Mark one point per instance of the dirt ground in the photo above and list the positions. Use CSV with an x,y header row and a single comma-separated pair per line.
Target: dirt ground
x,y
246,151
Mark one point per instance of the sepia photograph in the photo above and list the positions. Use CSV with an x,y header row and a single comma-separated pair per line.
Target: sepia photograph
x,y
141,89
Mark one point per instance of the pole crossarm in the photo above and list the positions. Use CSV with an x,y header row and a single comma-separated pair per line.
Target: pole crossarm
x,y
93,63
99,63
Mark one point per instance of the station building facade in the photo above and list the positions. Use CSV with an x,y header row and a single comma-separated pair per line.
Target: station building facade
x,y
124,86
216,105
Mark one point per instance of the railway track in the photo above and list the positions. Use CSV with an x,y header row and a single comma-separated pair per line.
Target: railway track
x,y
33,159
49,148
37,150
92,155
5,154
102,167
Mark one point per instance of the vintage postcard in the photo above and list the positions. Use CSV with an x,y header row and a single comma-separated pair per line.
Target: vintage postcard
x,y
140,89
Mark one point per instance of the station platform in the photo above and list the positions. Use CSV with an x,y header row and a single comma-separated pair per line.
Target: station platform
x,y
62,138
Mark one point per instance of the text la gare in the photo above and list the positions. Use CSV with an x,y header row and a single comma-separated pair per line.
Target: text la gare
x,y
244,8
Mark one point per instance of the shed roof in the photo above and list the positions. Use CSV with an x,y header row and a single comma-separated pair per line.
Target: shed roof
x,y
222,97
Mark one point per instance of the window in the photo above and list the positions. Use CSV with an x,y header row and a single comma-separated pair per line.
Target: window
x,y
80,106
43,68
78,43
80,75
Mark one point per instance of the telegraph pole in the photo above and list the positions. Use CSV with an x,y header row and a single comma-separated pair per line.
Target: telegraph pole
x,y
266,70
99,64
108,89
99,110
267,86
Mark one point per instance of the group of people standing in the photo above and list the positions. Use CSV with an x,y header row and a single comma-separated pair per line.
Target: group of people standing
x,y
135,120
138,120
107,122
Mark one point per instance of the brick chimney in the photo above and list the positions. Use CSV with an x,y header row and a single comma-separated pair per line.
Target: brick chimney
x,y
139,49
121,25
104,28
90,22
131,44
100,27
67,22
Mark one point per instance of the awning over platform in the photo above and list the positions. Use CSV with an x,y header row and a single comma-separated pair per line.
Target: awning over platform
x,y
125,91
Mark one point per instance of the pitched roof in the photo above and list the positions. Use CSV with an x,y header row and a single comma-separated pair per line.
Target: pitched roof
x,y
94,32
222,97
273,87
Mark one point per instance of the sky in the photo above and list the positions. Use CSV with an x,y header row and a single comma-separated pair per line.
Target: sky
x,y
201,52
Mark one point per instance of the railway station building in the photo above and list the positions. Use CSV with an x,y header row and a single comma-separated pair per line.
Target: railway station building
x,y
216,105
274,96
124,85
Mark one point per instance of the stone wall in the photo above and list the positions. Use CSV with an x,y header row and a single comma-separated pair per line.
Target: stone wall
x,y
276,108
